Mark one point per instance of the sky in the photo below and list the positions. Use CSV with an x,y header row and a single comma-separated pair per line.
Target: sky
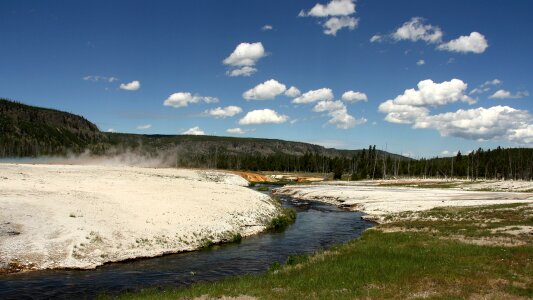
x,y
421,78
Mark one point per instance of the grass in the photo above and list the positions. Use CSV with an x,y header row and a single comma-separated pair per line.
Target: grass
x,y
410,263
284,219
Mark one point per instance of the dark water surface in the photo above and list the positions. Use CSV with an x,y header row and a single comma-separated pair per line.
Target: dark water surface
x,y
318,226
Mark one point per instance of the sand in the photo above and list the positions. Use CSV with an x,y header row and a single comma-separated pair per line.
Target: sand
x,y
71,216
379,201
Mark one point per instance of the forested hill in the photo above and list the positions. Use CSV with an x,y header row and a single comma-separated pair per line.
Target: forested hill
x,y
30,131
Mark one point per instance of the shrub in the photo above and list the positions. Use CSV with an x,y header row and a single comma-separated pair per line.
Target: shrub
x,y
284,219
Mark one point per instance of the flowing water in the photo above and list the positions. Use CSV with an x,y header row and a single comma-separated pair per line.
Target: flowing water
x,y
318,226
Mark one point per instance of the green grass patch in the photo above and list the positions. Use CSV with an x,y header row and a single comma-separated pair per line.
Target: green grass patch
x,y
395,265
283,220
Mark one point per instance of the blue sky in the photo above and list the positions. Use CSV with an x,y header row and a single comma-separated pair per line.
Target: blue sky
x,y
74,56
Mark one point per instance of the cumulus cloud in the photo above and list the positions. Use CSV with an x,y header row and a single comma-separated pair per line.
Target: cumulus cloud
x,y
245,71
474,43
323,94
131,86
486,86
351,96
263,116
245,54
497,122
236,130
183,99
243,58
96,78
415,30
338,114
265,91
223,112
503,94
145,126
111,130
293,92
333,8
430,93
334,24
522,135
409,106
337,13
194,131
328,105
420,62
267,27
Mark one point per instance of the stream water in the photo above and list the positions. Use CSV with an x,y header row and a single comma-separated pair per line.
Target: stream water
x,y
318,226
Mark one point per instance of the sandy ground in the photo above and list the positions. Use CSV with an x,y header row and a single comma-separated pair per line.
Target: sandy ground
x,y
67,216
378,201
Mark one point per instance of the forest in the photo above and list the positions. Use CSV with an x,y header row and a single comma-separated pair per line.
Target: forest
x,y
500,163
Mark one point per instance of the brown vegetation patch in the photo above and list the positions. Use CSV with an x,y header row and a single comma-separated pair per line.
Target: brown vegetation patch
x,y
253,177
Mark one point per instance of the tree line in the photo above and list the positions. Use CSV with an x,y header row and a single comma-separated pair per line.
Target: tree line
x,y
499,163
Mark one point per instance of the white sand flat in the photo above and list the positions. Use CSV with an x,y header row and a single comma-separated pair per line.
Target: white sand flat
x,y
71,216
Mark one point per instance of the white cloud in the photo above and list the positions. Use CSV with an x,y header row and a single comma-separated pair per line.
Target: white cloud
x,y
401,113
145,126
235,130
194,131
497,122
245,71
493,123
448,153
245,54
293,92
411,105
182,99
415,30
267,27
351,96
228,111
337,13
328,105
376,38
263,116
430,93
338,114
334,24
96,78
503,94
131,86
475,43
111,130
486,86
323,94
333,8
522,135
265,91
420,62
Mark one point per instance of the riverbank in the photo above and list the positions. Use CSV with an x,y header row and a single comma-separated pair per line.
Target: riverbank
x,y
72,216
380,198
444,253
